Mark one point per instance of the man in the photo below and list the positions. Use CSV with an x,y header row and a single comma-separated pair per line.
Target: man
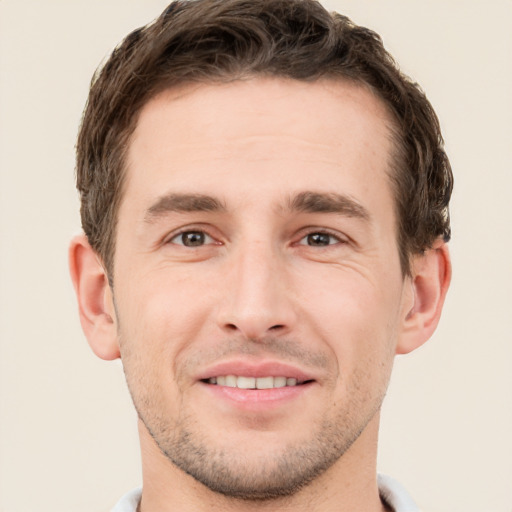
x,y
265,208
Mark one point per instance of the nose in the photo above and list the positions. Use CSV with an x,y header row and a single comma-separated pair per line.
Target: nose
x,y
258,298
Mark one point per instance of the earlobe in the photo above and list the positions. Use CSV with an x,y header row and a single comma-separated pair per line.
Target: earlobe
x,y
95,302
431,274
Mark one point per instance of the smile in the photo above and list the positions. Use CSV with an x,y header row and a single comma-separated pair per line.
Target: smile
x,y
243,382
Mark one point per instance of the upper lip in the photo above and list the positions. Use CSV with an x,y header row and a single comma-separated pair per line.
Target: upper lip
x,y
240,367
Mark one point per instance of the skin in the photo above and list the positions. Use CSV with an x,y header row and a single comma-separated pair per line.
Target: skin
x,y
294,263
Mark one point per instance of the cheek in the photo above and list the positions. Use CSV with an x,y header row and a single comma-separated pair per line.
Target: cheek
x,y
163,300
344,298
355,316
159,316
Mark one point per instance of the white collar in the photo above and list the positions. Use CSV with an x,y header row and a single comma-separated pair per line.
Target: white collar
x,y
391,492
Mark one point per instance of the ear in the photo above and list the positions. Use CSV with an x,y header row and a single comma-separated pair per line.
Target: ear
x,y
95,301
431,274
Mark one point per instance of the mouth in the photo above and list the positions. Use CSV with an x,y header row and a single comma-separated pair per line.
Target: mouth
x,y
248,382
256,385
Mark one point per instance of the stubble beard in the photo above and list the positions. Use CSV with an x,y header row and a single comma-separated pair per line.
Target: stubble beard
x,y
256,477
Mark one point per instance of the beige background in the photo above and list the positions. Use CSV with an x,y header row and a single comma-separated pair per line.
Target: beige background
x,y
67,430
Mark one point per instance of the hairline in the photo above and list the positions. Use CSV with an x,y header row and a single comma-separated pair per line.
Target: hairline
x,y
395,157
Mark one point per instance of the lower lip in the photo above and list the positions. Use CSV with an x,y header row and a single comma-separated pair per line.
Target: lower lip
x,y
258,398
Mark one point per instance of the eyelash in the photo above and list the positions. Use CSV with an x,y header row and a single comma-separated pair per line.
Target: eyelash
x,y
337,239
204,234
200,232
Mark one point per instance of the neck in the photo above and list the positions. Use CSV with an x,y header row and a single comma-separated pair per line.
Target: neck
x,y
349,484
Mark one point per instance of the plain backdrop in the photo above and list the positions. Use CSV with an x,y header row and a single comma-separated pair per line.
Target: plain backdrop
x,y
68,440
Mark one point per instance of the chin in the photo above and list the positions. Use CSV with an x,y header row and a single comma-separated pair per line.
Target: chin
x,y
252,474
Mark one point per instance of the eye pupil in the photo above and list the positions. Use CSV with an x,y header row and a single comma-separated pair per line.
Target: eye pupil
x,y
192,238
318,239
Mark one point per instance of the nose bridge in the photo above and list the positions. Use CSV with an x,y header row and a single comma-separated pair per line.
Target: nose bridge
x,y
257,299
258,272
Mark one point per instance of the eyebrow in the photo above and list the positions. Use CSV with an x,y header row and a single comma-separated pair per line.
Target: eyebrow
x,y
182,203
330,202
307,202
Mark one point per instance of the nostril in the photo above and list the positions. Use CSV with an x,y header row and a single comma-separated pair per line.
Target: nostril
x,y
277,327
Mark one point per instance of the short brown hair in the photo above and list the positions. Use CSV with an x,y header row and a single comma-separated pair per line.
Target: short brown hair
x,y
213,41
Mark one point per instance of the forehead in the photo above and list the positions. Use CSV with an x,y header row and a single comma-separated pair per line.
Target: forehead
x,y
259,136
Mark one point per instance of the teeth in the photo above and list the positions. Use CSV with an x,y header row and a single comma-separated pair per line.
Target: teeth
x,y
244,382
280,382
265,383
233,381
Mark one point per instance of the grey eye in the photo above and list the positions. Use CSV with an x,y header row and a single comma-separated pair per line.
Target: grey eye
x,y
192,239
319,240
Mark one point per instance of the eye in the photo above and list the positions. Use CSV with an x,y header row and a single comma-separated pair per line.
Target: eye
x,y
192,239
319,239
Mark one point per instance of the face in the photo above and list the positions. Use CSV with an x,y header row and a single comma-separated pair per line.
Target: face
x,y
257,285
